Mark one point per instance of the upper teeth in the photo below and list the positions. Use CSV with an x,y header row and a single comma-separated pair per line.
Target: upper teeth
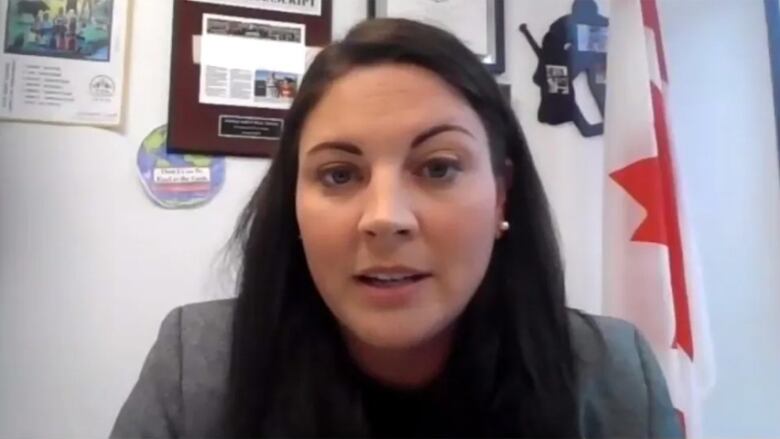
x,y
389,277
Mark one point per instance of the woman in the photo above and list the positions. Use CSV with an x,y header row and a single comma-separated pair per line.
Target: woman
x,y
400,277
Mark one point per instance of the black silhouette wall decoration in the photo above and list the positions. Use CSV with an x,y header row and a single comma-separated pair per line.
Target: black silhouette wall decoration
x,y
575,43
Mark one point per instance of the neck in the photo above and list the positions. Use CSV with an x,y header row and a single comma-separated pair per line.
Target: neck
x,y
408,367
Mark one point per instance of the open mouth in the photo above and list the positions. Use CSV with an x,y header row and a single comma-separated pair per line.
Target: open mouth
x,y
390,280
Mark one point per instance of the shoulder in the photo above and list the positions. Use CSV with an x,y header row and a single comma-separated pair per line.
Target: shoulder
x,y
591,334
206,330
183,383
622,390
201,333
206,325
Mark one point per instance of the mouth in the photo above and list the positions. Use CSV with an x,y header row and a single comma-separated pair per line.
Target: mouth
x,y
391,287
390,280
391,277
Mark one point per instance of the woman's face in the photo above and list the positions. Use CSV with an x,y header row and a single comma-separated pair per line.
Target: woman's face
x,y
397,203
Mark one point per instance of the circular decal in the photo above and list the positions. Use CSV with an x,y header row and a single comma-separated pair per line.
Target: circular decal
x,y
177,180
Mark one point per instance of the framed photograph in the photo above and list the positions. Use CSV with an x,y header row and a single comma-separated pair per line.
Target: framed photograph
x,y
479,24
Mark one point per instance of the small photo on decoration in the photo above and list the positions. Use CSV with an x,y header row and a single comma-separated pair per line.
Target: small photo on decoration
x,y
275,87
557,79
591,38
174,180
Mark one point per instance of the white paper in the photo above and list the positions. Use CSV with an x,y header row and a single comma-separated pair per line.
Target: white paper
x,y
307,7
466,19
63,65
311,52
592,38
250,63
187,175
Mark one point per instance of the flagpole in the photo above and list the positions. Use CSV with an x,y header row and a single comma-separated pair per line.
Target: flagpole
x,y
772,8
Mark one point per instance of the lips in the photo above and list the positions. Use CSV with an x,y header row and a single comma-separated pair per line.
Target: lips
x,y
391,287
390,277
389,281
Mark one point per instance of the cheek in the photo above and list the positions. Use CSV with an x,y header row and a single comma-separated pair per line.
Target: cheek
x,y
461,234
328,238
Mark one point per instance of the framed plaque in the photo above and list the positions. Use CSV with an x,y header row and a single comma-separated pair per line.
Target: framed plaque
x,y
479,24
235,69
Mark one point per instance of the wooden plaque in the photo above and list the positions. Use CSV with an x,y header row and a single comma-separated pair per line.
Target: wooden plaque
x,y
221,129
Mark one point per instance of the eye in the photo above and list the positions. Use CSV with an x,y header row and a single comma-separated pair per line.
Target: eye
x,y
338,175
440,169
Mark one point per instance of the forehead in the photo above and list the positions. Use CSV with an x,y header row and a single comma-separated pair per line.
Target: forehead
x,y
388,101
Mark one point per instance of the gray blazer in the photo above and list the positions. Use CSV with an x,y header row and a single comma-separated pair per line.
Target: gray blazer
x,y
181,389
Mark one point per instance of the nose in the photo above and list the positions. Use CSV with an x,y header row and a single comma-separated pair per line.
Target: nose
x,y
387,211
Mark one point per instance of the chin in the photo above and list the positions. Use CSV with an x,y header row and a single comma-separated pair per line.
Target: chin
x,y
384,333
391,340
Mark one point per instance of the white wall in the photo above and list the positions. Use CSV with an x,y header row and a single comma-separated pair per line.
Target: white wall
x,y
571,166
88,266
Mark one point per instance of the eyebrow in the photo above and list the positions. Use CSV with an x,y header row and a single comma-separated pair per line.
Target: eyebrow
x,y
436,130
351,148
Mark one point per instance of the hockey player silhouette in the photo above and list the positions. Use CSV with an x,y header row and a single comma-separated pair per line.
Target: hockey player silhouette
x,y
574,44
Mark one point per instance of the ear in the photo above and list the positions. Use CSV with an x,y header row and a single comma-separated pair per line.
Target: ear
x,y
503,184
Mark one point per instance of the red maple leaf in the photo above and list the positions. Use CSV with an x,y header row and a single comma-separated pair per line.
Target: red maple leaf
x,y
650,181
641,180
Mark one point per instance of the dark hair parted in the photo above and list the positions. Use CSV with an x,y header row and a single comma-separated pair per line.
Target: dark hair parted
x,y
512,356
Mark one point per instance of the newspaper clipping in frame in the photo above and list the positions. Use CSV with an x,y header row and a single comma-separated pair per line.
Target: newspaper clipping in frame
x,y
305,7
248,62
62,60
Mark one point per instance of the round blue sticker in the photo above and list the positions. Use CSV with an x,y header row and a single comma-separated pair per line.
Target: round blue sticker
x,y
177,180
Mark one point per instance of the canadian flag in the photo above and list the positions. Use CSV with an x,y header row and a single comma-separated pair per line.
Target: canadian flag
x,y
650,263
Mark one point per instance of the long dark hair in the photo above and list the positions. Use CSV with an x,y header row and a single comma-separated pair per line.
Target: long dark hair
x,y
512,357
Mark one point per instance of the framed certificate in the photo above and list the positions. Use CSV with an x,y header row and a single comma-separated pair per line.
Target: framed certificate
x,y
479,24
